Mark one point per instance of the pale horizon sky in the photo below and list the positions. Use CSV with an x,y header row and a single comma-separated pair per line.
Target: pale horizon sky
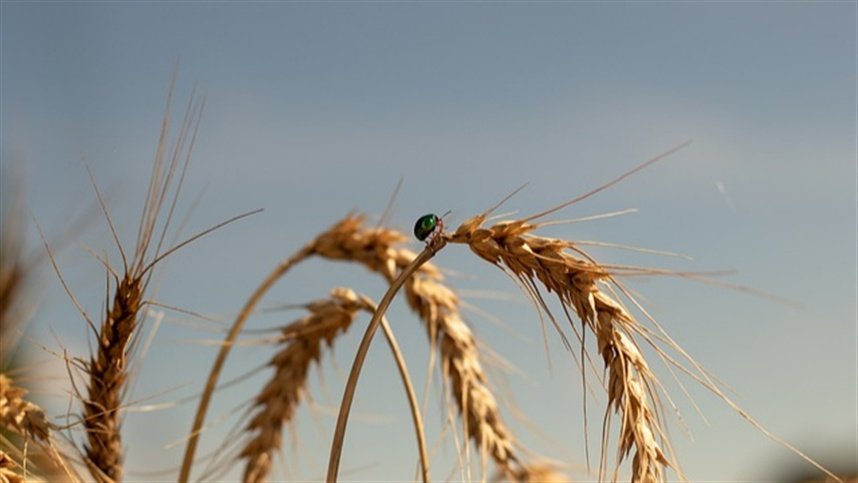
x,y
314,110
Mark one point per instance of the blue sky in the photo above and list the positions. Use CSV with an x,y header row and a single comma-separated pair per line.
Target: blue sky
x,y
317,109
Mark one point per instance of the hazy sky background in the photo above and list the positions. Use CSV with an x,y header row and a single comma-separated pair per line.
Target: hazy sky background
x,y
314,110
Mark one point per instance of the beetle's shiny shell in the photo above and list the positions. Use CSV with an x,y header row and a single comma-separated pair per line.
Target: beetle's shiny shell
x,y
425,225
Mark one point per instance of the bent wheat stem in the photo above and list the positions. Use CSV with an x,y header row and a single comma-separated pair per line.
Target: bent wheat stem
x,y
412,398
360,356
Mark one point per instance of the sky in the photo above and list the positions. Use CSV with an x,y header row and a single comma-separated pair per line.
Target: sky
x,y
317,109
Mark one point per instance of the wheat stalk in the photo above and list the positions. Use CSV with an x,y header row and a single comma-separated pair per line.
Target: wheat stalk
x,y
360,356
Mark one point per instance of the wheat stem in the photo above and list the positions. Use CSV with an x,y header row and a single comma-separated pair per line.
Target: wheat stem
x,y
412,398
360,356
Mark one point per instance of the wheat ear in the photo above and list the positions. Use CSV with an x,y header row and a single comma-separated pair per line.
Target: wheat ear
x,y
108,368
360,356
630,385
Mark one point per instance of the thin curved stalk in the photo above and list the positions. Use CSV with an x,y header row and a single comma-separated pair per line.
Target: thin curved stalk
x,y
351,384
211,384
412,398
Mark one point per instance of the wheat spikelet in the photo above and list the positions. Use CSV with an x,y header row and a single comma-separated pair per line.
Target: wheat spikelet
x,y
303,342
438,307
630,384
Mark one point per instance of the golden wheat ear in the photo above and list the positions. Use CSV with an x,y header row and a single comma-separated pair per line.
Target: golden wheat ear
x,y
536,261
587,288
108,368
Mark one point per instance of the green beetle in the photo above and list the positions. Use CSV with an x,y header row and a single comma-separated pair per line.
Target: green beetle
x,y
428,227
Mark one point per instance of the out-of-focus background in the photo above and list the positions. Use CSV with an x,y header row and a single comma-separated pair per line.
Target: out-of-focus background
x,y
314,110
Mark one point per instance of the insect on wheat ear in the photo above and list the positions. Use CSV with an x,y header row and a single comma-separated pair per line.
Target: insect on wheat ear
x,y
428,227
